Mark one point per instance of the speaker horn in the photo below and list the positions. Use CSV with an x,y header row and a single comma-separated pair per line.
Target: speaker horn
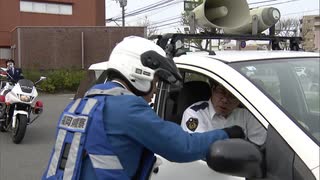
x,y
234,16
225,14
261,19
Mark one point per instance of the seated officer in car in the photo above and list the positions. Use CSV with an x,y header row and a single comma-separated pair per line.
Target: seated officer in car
x,y
221,111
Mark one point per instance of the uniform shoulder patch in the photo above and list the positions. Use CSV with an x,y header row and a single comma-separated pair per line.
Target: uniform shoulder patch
x,y
192,124
200,106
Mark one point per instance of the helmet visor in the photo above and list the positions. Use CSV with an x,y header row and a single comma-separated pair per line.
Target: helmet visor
x,y
164,67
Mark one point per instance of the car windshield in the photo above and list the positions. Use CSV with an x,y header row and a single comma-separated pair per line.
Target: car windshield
x,y
293,84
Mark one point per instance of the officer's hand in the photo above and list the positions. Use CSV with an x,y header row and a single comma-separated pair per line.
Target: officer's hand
x,y
234,132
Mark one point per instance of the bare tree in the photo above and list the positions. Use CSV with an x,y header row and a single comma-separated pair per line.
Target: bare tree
x,y
288,27
185,19
151,29
297,27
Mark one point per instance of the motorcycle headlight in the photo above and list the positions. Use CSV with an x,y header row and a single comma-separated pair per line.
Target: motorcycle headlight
x,y
25,98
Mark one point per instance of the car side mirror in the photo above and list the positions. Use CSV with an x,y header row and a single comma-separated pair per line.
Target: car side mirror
x,y
236,157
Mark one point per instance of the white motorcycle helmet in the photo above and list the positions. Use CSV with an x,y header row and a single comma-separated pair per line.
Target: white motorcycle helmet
x,y
137,60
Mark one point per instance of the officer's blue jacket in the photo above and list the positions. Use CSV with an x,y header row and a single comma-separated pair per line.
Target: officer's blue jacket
x,y
16,75
131,125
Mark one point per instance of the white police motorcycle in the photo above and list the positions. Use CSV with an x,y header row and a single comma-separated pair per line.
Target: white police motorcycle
x,y
17,102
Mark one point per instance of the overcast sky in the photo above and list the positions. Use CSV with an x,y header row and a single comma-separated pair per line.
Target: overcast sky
x,y
170,15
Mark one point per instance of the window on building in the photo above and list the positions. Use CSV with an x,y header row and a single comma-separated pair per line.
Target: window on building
x,y
65,9
5,53
47,8
53,9
39,7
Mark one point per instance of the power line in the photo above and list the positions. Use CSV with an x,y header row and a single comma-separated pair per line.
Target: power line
x,y
142,9
166,27
166,20
161,21
301,12
261,2
285,2
155,12
139,9
154,8
167,24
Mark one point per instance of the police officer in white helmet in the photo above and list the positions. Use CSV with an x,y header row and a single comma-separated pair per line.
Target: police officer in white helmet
x,y
122,145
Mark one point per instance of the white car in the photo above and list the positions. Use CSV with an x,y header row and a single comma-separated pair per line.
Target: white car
x,y
267,85
274,93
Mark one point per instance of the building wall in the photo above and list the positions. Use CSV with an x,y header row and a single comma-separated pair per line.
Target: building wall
x,y
310,33
85,13
66,47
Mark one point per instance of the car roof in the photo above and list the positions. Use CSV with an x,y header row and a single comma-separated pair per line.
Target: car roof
x,y
237,56
232,56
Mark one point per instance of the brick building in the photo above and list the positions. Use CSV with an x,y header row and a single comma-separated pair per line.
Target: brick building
x,y
50,34
66,47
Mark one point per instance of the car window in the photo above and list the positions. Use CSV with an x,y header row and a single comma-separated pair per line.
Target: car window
x,y
265,77
308,77
292,84
177,99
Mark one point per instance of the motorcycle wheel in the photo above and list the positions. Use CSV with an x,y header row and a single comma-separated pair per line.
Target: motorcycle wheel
x,y
20,130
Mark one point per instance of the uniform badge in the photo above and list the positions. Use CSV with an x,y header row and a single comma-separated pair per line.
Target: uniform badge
x,y
192,123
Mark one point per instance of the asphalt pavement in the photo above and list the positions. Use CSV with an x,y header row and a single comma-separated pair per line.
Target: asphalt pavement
x,y
28,160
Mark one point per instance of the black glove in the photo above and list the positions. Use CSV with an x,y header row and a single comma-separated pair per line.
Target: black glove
x,y
234,132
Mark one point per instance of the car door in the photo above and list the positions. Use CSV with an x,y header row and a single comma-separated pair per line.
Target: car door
x,y
293,95
285,158
166,106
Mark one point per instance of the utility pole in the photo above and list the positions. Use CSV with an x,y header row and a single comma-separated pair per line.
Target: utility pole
x,y
123,3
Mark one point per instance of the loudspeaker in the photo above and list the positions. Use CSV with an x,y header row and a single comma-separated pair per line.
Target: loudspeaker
x,y
234,16
262,18
225,14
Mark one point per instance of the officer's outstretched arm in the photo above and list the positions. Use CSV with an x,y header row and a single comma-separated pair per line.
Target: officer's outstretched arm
x,y
169,139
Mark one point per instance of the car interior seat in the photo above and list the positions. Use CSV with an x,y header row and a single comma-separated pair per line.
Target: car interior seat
x,y
191,92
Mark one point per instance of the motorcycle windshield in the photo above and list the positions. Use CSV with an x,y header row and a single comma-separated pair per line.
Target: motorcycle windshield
x,y
26,85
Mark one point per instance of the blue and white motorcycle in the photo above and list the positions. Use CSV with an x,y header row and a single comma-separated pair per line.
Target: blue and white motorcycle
x,y
17,102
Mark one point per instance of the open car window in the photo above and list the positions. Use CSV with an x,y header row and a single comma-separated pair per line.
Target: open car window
x,y
175,100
